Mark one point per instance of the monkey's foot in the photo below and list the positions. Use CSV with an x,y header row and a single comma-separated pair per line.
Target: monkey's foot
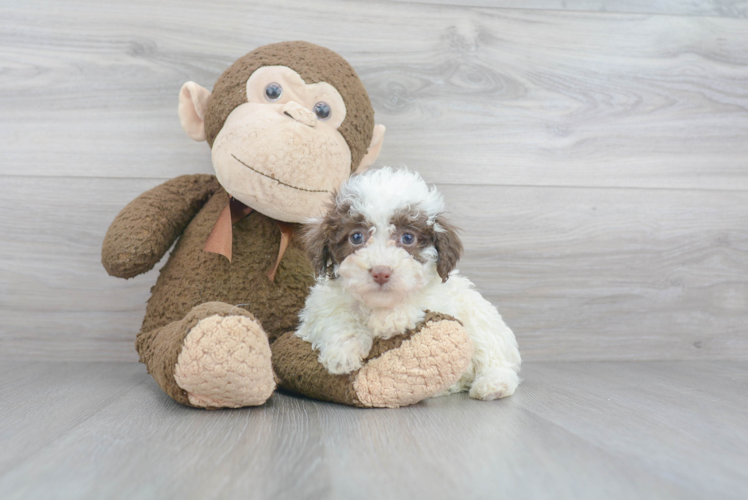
x,y
225,363
399,371
216,357
426,364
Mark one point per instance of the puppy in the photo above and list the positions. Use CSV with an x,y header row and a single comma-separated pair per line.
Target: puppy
x,y
383,254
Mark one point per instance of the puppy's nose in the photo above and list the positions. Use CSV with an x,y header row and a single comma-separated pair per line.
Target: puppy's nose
x,y
381,274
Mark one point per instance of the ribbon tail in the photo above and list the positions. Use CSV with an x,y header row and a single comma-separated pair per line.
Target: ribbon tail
x,y
238,210
286,230
221,236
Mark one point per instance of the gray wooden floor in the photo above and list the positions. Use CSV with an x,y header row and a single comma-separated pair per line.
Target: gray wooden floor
x,y
668,429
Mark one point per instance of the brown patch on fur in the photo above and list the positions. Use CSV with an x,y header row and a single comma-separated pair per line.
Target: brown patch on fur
x,y
447,243
448,246
406,221
314,64
327,242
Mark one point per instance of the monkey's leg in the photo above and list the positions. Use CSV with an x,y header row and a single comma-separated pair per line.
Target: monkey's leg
x,y
217,356
399,371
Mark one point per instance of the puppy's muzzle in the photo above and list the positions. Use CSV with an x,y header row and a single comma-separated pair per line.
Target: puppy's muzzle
x,y
381,274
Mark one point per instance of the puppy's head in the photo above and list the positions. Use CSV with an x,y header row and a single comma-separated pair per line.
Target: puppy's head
x,y
384,236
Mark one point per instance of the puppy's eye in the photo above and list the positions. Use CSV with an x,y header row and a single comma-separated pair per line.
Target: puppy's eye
x,y
273,91
322,110
407,238
356,238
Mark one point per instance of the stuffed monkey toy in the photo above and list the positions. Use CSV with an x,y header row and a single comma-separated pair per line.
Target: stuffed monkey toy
x,y
287,124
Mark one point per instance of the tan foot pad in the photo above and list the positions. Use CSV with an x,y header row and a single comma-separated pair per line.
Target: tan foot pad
x,y
424,365
225,363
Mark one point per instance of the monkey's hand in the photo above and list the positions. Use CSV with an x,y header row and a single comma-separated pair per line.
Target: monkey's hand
x,y
145,229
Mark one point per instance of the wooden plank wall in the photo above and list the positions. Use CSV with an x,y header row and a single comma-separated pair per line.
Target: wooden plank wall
x,y
594,152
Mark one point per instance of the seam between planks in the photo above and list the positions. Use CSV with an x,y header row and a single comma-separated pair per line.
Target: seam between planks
x,y
459,184
562,11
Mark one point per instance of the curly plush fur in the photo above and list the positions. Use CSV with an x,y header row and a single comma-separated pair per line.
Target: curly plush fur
x,y
385,253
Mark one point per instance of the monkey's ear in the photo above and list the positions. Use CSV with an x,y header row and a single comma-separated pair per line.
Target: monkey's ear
x,y
372,152
448,247
315,238
193,103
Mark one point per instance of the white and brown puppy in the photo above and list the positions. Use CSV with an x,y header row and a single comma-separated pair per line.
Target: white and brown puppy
x,y
383,254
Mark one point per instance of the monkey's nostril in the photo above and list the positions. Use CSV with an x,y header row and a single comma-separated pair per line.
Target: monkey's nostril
x,y
381,274
287,114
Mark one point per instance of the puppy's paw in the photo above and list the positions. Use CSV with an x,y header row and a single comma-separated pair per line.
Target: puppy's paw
x,y
494,383
339,361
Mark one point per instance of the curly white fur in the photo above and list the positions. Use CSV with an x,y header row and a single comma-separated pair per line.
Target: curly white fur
x,y
345,312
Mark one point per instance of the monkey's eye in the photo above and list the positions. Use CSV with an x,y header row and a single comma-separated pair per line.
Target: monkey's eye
x,y
322,110
273,91
407,238
356,238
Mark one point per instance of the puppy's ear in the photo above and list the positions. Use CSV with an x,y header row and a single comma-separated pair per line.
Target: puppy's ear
x,y
448,247
315,237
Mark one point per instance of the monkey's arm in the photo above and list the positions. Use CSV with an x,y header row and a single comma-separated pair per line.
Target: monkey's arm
x,y
145,229
399,371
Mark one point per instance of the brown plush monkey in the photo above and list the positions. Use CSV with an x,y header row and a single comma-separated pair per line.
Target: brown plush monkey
x,y
287,124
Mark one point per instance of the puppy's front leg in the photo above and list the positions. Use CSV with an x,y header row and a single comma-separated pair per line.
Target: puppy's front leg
x,y
345,349
334,331
496,360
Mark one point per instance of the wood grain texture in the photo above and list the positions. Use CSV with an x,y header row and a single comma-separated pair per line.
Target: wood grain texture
x,y
596,161
689,406
647,274
41,402
55,296
512,97
573,430
577,273
717,8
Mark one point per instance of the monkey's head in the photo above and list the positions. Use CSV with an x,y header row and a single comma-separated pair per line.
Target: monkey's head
x,y
287,124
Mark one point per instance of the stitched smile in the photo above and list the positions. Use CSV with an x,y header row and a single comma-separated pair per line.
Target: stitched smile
x,y
280,182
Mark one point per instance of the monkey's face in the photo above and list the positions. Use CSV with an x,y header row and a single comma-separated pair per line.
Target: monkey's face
x,y
281,152
288,123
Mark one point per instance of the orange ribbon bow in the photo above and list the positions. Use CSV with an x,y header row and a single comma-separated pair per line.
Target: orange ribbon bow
x,y
220,240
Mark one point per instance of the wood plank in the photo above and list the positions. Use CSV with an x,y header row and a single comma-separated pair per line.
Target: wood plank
x,y
622,274
577,273
469,95
56,298
454,447
717,8
573,430
670,417
40,402
145,445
